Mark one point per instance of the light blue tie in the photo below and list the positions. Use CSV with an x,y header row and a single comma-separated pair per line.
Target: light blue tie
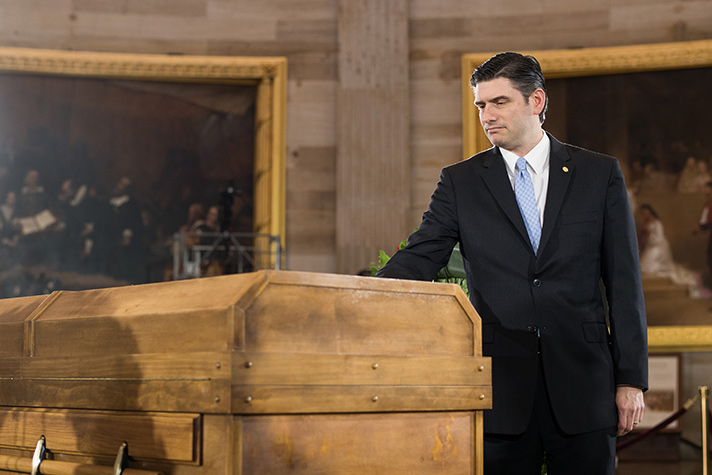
x,y
524,191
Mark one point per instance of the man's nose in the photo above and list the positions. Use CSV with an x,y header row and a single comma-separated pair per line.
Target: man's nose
x,y
486,113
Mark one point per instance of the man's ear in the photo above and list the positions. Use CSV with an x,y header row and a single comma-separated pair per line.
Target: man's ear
x,y
538,100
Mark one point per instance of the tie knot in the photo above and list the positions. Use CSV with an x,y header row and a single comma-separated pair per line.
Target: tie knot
x,y
521,164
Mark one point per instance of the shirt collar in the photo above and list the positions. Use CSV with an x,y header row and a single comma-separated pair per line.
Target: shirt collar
x,y
537,158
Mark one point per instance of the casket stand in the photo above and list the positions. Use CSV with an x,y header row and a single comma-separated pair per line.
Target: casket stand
x,y
271,372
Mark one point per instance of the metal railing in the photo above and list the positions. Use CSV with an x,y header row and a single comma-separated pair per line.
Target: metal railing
x,y
703,397
216,253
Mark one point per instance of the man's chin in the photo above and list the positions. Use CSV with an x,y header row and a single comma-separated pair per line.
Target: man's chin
x,y
496,140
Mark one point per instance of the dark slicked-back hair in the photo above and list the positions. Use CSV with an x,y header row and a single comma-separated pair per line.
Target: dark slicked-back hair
x,y
523,71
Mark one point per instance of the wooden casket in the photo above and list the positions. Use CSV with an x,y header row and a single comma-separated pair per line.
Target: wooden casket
x,y
272,372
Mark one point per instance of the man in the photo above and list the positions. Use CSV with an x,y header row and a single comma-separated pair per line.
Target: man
x,y
32,198
540,240
127,261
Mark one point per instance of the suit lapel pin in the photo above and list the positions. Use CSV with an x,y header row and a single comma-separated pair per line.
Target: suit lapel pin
x,y
565,169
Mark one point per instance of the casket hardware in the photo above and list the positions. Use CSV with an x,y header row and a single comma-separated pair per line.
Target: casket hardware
x,y
39,455
122,459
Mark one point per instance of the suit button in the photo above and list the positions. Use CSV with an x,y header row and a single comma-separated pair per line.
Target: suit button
x,y
536,283
532,328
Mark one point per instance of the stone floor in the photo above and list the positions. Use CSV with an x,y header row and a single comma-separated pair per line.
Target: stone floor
x,y
685,459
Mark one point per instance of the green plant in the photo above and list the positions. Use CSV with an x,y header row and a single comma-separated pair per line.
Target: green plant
x,y
452,273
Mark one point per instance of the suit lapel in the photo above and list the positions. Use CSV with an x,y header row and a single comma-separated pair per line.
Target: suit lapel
x,y
560,172
497,181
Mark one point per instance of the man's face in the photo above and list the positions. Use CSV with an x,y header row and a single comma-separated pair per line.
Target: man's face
x,y
32,178
212,217
509,121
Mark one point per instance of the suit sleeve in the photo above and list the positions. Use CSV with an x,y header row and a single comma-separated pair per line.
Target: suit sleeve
x,y
624,290
429,247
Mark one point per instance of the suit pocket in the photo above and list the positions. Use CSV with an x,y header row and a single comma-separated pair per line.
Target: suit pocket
x,y
595,332
578,225
575,218
488,333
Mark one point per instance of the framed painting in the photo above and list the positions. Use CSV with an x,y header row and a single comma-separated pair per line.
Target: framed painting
x,y
173,134
647,106
662,400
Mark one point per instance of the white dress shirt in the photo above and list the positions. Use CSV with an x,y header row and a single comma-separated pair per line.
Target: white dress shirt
x,y
538,166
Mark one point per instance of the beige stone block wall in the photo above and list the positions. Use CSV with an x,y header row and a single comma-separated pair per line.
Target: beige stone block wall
x,y
306,32
441,31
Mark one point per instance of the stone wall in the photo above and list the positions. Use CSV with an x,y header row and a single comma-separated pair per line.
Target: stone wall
x,y
308,33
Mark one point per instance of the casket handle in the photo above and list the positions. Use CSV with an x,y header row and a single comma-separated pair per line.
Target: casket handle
x,y
122,458
39,455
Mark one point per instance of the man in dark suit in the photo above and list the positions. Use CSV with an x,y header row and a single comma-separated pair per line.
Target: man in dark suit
x,y
550,250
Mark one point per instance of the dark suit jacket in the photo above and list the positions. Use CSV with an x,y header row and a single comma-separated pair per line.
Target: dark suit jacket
x,y
588,239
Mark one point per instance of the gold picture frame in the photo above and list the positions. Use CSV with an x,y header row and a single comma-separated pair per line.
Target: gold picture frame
x,y
268,74
593,62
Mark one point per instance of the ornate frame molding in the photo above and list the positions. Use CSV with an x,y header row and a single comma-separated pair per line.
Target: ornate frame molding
x,y
601,61
680,338
269,74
